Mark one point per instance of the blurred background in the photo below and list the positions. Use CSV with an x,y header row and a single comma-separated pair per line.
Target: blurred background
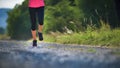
x,y
86,21
5,7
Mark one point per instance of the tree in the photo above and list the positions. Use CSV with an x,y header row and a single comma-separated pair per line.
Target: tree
x,y
63,15
117,3
18,22
95,10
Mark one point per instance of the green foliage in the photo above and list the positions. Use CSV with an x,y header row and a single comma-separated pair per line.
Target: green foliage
x,y
63,16
92,36
75,15
18,22
95,10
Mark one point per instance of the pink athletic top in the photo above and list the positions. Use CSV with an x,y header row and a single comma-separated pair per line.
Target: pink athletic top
x,y
36,3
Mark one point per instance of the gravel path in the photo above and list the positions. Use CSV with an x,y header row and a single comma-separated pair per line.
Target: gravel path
x,y
20,54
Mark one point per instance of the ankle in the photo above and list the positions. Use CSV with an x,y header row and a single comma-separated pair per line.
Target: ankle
x,y
39,31
34,40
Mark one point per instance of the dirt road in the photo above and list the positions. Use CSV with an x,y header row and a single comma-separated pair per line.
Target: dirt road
x,y
20,54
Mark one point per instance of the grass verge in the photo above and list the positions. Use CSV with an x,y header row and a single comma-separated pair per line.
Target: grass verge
x,y
4,37
106,37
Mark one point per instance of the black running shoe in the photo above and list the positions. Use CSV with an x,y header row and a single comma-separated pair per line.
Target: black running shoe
x,y
34,43
40,36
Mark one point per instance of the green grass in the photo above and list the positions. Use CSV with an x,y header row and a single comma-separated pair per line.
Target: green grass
x,y
91,50
4,37
94,37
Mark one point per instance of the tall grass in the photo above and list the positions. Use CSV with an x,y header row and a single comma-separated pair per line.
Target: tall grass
x,y
104,36
4,37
